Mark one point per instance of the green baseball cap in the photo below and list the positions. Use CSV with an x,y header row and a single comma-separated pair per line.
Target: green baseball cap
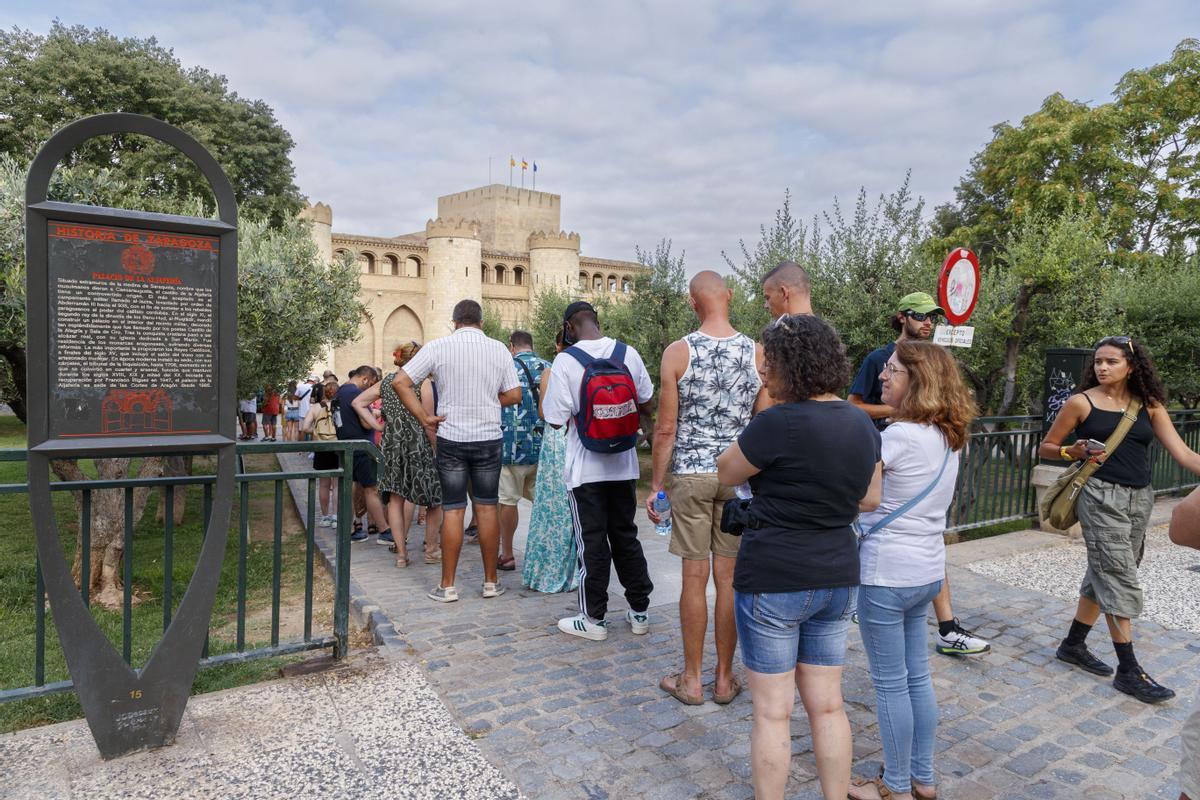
x,y
920,301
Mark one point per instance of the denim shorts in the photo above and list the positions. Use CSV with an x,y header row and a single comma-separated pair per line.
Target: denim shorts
x,y
777,631
475,462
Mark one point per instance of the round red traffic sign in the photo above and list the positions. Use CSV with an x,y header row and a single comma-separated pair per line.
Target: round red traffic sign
x,y
958,285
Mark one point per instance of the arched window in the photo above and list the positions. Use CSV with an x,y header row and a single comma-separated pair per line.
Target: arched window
x,y
597,283
485,273
412,267
583,280
501,274
518,276
612,284
392,265
626,286
368,260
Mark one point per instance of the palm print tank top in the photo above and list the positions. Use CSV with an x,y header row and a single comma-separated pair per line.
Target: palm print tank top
x,y
716,398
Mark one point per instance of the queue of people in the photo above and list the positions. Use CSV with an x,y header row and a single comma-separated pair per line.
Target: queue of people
x,y
809,513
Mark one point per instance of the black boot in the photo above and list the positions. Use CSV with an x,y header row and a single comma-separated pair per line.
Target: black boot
x,y
1080,656
1137,683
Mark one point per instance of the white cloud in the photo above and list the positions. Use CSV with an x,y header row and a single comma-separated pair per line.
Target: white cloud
x,y
684,120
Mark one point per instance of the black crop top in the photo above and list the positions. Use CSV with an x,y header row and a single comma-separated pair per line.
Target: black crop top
x,y
1129,464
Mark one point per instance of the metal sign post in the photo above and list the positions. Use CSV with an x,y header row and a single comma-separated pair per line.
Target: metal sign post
x,y
131,323
958,292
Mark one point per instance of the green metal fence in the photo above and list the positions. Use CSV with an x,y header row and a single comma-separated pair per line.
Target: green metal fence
x,y
995,469
336,639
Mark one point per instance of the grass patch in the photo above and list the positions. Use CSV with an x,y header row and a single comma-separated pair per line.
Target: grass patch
x,y
17,587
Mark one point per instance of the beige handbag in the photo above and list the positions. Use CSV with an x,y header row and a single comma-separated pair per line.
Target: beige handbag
x,y
1058,504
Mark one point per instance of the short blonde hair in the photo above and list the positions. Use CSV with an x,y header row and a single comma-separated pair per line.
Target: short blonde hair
x,y
936,393
407,350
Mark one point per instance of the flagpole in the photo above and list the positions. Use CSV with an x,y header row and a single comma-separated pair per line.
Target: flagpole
x,y
489,170
535,176
510,169
522,173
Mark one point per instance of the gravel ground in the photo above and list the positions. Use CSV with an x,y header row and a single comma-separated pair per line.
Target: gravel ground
x,y
1170,576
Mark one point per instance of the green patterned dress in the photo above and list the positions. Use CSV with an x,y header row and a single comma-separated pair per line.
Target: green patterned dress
x,y
408,465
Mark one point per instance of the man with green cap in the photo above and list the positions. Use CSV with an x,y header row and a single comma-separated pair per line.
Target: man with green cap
x,y
914,320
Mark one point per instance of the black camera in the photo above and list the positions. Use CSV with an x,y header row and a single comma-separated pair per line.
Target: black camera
x,y
737,516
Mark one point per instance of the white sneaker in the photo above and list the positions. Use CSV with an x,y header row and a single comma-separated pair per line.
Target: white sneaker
x,y
961,642
443,594
639,621
581,626
328,521
492,589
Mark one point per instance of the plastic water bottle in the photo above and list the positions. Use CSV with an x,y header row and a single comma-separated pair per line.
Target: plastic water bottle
x,y
662,507
744,492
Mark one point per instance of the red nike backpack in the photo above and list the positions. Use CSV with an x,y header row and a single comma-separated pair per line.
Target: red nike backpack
x,y
607,420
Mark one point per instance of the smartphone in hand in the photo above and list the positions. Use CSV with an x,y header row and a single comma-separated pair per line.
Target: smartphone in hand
x,y
1093,446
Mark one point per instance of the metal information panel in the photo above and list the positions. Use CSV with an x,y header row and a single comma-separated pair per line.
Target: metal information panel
x,y
131,325
133,331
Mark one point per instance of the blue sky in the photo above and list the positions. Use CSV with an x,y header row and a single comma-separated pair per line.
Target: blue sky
x,y
684,120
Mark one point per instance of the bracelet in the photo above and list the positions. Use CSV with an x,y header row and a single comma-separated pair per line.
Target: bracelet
x,y
1062,451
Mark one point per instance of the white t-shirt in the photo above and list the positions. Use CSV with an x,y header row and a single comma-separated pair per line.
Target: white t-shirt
x,y
470,370
249,405
910,551
304,392
561,403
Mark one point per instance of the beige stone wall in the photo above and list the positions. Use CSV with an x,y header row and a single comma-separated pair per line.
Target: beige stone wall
x,y
554,261
455,255
506,214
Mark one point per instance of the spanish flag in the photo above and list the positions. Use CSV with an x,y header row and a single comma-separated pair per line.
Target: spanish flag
x,y
524,164
512,162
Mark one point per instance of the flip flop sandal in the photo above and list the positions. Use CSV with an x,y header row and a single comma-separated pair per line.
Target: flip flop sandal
x,y
507,564
673,685
726,699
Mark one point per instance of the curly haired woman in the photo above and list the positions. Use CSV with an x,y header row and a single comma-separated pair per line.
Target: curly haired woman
x,y
903,559
1115,504
812,461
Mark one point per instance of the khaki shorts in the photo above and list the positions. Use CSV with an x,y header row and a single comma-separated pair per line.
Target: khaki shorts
x,y
1114,520
517,481
696,505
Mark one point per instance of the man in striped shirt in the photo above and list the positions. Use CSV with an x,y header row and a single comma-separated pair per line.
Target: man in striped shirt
x,y
475,377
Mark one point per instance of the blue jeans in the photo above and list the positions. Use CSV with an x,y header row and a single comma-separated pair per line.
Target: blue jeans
x,y
895,635
779,630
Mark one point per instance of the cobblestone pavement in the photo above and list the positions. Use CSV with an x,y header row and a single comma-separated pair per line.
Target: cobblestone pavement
x,y
568,718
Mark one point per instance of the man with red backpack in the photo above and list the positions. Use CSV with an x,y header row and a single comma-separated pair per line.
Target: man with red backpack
x,y
600,390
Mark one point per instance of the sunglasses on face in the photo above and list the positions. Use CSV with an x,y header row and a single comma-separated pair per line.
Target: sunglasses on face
x,y
921,316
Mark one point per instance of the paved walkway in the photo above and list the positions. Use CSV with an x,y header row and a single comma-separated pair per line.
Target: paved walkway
x,y
568,718
485,698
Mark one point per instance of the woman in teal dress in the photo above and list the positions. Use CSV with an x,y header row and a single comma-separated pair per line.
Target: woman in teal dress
x,y
550,555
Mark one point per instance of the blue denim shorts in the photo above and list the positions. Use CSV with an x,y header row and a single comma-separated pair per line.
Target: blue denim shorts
x,y
777,631
473,463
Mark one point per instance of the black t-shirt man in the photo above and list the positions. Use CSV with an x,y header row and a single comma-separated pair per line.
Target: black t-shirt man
x,y
817,460
349,425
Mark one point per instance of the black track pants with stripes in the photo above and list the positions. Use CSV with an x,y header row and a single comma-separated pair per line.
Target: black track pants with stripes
x,y
606,533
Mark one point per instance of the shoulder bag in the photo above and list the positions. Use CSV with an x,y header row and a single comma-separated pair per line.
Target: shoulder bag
x,y
1058,504
904,509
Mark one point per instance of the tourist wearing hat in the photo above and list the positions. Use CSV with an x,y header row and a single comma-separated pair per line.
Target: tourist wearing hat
x,y
915,316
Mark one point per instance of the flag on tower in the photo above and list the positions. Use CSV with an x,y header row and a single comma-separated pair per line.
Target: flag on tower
x,y
512,162
524,164
535,166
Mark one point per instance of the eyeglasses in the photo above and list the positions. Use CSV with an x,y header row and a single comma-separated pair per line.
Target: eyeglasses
x,y
921,316
1120,341
892,369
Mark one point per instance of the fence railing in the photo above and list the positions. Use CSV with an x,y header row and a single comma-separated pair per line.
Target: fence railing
x,y
995,469
242,647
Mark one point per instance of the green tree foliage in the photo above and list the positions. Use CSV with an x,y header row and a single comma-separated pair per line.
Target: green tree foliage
x,y
1161,306
1136,160
494,326
291,305
658,311
72,72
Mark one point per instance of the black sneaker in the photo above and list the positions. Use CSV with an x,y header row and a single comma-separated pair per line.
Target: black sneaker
x,y
1142,686
1080,656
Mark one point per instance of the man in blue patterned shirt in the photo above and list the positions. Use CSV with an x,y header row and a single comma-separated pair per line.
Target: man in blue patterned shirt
x,y
521,425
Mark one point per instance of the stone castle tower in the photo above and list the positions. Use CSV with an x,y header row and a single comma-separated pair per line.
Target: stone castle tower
x,y
499,245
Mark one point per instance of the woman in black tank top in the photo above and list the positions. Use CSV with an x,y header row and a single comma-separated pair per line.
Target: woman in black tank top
x,y
1115,504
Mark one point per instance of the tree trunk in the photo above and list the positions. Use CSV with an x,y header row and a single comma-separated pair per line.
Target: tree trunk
x,y
107,550
15,356
174,466
1012,344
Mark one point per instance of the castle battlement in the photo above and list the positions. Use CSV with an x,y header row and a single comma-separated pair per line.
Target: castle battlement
x,y
452,228
508,194
560,240
319,213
